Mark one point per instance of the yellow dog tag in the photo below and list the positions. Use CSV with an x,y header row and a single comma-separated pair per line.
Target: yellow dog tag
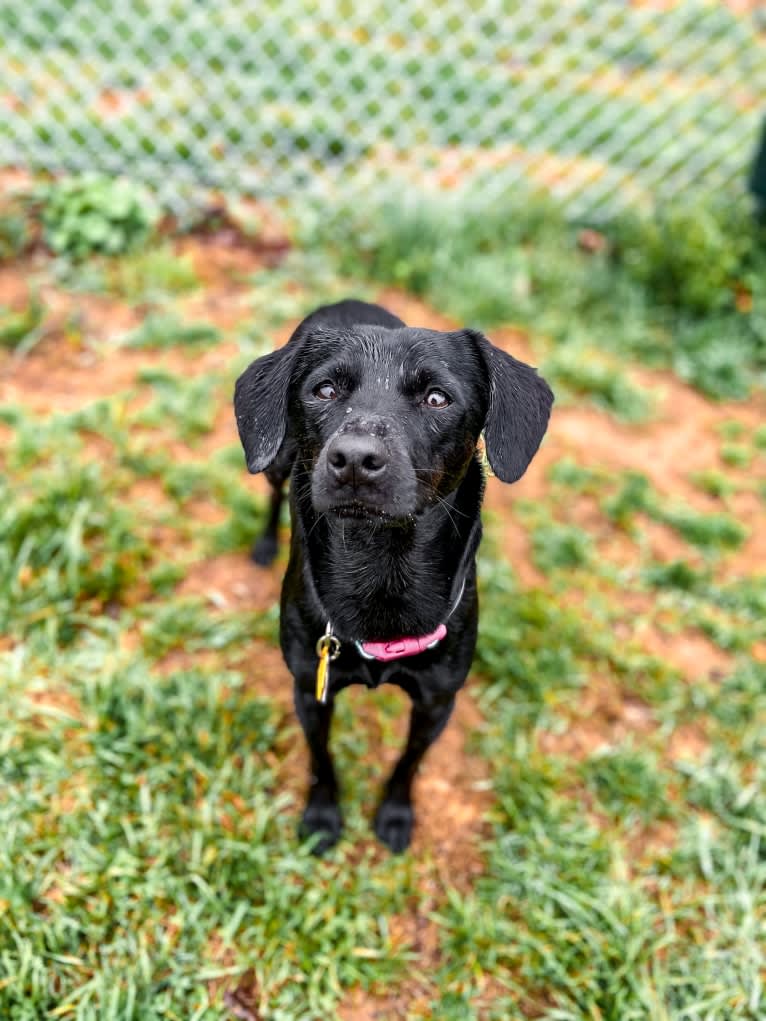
x,y
328,648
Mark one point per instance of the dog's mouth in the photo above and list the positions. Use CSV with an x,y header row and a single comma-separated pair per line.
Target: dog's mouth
x,y
362,512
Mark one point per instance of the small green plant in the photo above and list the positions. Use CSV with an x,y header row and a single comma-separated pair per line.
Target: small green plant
x,y
687,255
18,327
731,429
64,543
713,483
151,275
186,404
164,331
634,495
556,546
89,214
567,472
582,371
708,531
737,455
626,781
14,234
677,574
721,355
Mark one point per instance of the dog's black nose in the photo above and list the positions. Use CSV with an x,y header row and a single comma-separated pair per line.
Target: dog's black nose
x,y
356,458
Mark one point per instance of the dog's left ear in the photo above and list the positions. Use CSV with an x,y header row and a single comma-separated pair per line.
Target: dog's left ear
x,y
519,408
260,406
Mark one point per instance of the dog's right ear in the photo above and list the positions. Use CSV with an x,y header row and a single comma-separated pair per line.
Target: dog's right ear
x,y
260,406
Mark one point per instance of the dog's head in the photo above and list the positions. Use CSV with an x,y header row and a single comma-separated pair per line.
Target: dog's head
x,y
386,421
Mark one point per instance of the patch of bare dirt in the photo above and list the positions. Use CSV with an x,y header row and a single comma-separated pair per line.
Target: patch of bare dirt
x,y
145,492
451,790
223,261
517,548
411,999
205,511
689,651
53,701
748,508
64,380
650,842
220,955
15,180
413,311
61,377
687,743
231,581
76,360
665,544
681,441
15,291
604,717
228,309
452,800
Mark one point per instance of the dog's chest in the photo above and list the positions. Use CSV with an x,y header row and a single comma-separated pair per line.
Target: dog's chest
x,y
374,602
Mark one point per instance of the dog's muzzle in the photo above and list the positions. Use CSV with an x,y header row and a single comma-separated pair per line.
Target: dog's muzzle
x,y
364,470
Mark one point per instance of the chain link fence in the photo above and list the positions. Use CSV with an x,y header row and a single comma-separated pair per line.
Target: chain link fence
x,y
604,103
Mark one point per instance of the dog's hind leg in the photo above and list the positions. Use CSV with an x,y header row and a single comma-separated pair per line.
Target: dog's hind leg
x,y
265,548
322,817
395,817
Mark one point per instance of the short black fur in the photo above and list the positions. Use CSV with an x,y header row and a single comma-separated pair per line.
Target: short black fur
x,y
376,427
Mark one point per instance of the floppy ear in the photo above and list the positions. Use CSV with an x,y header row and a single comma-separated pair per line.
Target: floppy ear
x,y
519,408
260,406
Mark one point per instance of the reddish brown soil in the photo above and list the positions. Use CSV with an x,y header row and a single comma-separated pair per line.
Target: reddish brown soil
x,y
231,582
603,717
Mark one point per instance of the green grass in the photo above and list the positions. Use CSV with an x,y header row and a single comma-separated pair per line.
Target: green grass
x,y
151,275
175,831
588,313
163,331
187,403
20,329
149,782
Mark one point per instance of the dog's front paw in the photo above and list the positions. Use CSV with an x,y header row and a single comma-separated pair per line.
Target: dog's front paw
x,y
323,821
393,824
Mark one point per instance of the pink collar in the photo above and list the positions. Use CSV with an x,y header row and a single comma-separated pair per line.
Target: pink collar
x,y
328,649
411,645
398,648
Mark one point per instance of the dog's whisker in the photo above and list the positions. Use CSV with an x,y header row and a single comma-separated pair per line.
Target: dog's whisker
x,y
320,517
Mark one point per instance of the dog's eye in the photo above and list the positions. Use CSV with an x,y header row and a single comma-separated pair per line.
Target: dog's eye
x,y
325,391
437,399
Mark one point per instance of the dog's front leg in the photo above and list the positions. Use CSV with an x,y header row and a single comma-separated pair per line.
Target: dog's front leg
x,y
322,815
395,817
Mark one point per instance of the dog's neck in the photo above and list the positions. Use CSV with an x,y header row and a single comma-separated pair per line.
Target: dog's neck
x,y
376,582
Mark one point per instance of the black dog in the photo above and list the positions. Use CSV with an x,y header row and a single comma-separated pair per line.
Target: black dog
x,y
376,425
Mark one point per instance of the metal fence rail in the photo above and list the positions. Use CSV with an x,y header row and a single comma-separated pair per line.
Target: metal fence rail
x,y
604,102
